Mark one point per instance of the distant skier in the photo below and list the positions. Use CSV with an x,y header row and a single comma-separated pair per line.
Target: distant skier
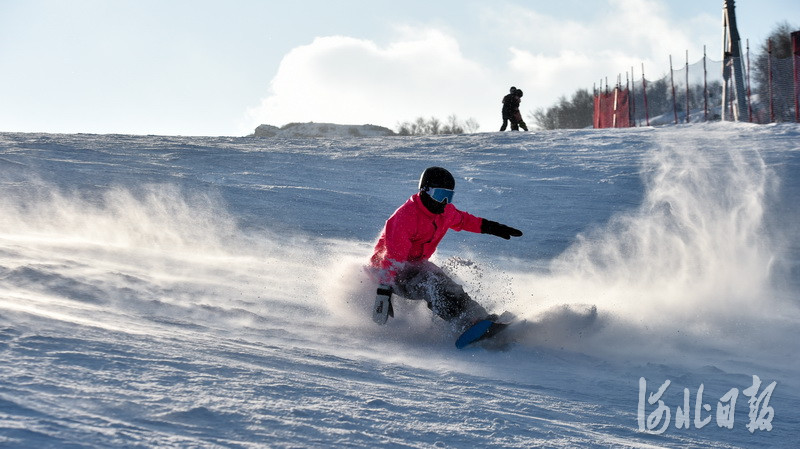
x,y
410,237
510,105
518,115
511,112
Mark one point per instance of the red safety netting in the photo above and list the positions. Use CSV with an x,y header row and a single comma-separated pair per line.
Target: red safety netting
x,y
612,109
694,92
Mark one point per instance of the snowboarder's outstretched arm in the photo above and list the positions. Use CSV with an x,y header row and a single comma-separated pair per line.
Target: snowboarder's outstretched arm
x,y
498,229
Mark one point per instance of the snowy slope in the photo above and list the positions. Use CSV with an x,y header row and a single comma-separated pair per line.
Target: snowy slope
x,y
164,291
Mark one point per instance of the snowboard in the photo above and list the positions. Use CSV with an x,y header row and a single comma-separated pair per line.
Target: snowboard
x,y
482,330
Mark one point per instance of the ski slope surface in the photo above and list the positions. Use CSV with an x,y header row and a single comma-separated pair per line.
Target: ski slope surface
x,y
166,291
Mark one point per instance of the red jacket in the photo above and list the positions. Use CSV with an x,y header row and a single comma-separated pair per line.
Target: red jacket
x,y
413,232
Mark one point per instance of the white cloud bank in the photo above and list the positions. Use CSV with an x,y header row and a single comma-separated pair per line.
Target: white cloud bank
x,y
354,81
424,72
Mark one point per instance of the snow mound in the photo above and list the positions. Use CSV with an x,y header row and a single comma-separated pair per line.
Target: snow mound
x,y
312,129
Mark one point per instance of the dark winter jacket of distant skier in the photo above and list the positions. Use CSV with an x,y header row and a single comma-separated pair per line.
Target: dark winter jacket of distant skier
x,y
510,107
511,111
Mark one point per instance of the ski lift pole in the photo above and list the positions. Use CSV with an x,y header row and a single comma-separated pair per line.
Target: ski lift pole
x,y
732,54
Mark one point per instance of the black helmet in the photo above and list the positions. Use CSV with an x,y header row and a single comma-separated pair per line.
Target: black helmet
x,y
513,89
518,92
436,188
436,177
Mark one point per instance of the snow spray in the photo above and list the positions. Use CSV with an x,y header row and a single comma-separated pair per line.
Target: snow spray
x,y
689,268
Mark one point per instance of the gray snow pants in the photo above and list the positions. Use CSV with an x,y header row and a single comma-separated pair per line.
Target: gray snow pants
x,y
444,296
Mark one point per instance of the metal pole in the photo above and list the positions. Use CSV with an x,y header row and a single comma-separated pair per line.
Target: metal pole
x,y
644,90
796,65
749,103
733,53
594,105
726,70
616,100
769,81
672,82
687,86
705,86
633,98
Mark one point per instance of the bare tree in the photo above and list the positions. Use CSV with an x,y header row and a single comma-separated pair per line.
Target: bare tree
x,y
574,113
433,126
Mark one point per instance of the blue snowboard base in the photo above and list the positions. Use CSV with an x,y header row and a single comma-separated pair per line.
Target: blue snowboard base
x,y
481,330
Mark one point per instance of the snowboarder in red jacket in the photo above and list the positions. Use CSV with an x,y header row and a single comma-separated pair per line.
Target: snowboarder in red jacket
x,y
410,237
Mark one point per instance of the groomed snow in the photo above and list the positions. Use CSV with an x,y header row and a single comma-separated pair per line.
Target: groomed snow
x,y
161,291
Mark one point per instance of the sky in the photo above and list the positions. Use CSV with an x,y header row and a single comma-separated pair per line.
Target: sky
x,y
221,68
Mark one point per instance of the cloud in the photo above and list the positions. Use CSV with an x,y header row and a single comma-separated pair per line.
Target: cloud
x,y
554,56
354,81
640,28
424,72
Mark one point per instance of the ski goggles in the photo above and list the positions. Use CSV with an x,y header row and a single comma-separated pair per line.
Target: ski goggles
x,y
444,196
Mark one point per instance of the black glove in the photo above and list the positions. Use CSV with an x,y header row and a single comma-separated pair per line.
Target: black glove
x,y
500,230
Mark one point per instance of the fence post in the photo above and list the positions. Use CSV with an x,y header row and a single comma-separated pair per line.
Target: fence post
x,y
705,86
616,102
644,90
687,86
769,81
672,81
796,65
633,98
749,103
628,89
594,105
